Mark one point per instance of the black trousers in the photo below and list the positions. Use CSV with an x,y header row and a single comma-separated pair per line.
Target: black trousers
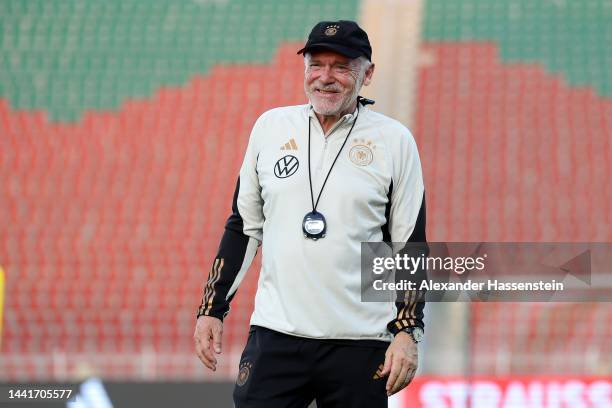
x,y
282,371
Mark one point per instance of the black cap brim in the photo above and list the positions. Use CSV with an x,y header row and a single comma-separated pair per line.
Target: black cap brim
x,y
346,51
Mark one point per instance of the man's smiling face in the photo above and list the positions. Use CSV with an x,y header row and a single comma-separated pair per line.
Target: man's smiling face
x,y
332,82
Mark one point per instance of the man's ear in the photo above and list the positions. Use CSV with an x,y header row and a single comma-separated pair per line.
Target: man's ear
x,y
367,78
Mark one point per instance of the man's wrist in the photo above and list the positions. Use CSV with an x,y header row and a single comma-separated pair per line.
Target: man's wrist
x,y
402,333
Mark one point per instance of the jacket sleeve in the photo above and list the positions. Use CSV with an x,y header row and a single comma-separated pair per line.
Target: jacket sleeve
x,y
241,238
407,225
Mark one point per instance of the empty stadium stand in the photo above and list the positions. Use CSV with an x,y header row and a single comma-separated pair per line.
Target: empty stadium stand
x,y
514,121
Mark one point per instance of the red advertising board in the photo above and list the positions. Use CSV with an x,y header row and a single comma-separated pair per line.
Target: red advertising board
x,y
515,392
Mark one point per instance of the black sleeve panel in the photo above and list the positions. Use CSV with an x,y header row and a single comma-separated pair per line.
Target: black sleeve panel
x,y
228,262
410,310
418,233
234,222
385,228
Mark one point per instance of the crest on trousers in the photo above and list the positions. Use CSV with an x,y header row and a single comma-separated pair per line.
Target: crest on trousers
x,y
243,373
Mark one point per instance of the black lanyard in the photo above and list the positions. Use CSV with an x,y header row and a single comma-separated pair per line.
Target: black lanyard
x,y
314,205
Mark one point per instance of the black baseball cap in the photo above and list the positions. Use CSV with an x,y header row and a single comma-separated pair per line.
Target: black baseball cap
x,y
344,37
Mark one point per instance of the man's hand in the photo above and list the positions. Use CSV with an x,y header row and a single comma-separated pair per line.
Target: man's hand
x,y
207,335
401,362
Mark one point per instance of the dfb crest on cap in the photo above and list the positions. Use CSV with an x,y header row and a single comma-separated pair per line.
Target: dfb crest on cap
x,y
331,30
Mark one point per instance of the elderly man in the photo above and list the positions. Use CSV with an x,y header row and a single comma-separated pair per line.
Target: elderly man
x,y
316,181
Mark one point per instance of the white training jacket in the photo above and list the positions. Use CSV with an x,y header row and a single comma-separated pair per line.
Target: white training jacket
x,y
375,192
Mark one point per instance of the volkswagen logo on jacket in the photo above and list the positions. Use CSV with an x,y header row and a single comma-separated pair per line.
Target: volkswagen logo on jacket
x,y
286,166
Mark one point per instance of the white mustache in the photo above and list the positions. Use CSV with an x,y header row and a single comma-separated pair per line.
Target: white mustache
x,y
327,88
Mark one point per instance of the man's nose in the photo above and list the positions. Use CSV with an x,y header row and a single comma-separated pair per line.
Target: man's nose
x,y
326,75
